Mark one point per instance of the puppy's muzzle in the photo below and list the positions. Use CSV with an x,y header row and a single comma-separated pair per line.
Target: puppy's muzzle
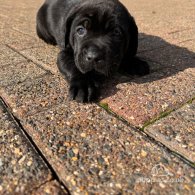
x,y
94,55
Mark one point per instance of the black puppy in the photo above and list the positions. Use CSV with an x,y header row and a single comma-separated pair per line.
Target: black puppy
x,y
96,38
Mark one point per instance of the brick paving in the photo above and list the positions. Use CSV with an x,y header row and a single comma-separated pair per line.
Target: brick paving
x,y
22,169
143,143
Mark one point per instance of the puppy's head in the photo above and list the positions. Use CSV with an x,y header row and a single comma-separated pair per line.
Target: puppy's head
x,y
101,33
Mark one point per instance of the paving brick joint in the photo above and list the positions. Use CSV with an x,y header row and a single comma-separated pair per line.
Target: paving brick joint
x,y
61,147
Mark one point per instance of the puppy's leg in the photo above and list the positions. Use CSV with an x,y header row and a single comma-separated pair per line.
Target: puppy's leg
x,y
83,87
136,66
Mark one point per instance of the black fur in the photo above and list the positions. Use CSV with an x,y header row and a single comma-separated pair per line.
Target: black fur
x,y
96,38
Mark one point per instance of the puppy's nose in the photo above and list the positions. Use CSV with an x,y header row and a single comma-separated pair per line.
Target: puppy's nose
x,y
94,54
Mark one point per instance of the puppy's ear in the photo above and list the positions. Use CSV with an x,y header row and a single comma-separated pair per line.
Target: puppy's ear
x,y
132,45
132,64
68,23
66,27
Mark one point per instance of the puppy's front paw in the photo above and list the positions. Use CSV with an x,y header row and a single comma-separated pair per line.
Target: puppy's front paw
x,y
141,68
83,89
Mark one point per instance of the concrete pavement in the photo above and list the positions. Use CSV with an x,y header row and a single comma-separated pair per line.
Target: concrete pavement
x,y
143,143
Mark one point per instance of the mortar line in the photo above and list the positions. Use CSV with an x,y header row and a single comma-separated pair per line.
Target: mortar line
x,y
147,136
17,120
40,66
165,113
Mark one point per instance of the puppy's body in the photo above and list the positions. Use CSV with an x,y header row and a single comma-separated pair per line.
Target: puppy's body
x,y
96,38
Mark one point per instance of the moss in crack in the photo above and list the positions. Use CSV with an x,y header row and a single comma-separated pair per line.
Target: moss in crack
x,y
105,106
162,115
190,101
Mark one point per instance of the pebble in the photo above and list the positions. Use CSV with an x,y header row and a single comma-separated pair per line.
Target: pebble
x,y
162,185
187,187
118,185
1,132
29,163
74,158
83,134
106,160
13,162
100,173
15,182
68,123
144,153
14,110
17,151
178,138
21,160
75,150
76,173
192,174
66,144
1,163
164,106
191,144
47,190
73,182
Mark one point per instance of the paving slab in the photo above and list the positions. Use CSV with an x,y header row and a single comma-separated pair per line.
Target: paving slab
x,y
19,8
9,56
8,35
190,46
157,18
161,29
50,188
13,74
4,22
176,40
36,94
22,12
93,152
26,27
21,16
18,15
150,42
170,84
177,131
146,98
180,36
46,56
172,57
21,167
178,56
27,42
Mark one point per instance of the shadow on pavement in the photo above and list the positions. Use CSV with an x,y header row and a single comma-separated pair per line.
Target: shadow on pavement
x,y
165,60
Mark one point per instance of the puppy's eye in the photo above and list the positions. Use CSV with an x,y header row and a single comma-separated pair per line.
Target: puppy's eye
x,y
117,32
81,30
